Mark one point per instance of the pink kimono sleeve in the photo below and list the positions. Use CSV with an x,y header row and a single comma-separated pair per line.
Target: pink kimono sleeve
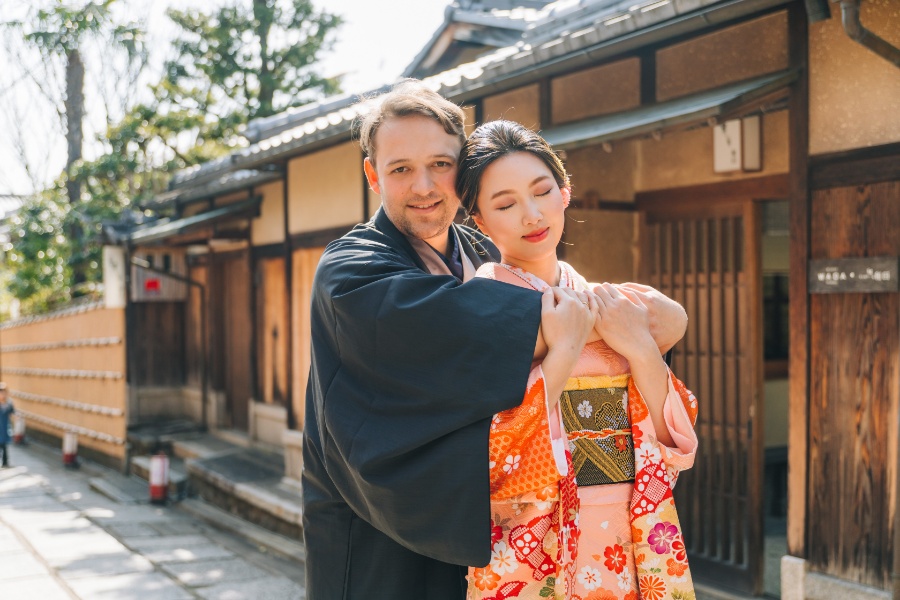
x,y
680,415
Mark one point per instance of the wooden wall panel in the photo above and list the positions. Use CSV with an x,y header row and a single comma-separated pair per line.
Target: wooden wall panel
x,y
66,372
305,262
596,91
521,105
854,392
193,345
237,336
730,54
159,357
272,334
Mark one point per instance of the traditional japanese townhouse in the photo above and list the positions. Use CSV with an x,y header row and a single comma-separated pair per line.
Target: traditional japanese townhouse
x,y
720,150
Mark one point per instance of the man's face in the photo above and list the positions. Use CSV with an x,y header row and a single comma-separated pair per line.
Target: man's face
x,y
415,173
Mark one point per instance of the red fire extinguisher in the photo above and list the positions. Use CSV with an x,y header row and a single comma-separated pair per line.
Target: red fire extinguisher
x,y
70,449
159,478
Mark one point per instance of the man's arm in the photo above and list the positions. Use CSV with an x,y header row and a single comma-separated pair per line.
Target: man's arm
x,y
409,369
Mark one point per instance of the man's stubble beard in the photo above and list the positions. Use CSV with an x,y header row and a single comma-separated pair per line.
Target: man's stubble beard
x,y
425,229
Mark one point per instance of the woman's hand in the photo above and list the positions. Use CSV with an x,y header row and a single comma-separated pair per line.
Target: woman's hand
x,y
624,324
567,318
668,320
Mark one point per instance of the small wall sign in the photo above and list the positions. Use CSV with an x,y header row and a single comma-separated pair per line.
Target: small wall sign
x,y
847,275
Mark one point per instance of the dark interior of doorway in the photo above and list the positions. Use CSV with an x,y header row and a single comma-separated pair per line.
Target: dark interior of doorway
x,y
775,349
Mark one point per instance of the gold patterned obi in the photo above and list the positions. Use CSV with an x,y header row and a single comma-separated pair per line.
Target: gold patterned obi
x,y
595,415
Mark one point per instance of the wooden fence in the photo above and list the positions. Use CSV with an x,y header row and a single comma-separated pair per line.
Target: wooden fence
x,y
65,371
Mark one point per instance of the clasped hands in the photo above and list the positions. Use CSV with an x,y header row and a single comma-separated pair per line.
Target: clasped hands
x,y
631,318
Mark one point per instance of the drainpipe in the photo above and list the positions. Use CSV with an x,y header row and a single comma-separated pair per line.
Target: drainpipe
x,y
861,35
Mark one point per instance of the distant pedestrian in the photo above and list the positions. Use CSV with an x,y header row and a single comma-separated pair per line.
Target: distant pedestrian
x,y
6,409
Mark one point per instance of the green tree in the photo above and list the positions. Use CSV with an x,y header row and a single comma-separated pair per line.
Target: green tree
x,y
60,32
244,62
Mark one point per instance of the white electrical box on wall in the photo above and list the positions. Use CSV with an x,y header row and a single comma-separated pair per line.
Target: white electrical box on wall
x,y
152,286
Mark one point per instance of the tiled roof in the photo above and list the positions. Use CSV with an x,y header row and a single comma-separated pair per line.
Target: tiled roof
x,y
559,30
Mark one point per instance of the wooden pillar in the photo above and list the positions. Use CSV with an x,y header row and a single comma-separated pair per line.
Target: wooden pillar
x,y
798,403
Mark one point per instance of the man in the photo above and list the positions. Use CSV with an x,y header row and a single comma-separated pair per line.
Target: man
x,y
408,368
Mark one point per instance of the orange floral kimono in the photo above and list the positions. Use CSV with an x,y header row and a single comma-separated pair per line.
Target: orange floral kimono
x,y
581,496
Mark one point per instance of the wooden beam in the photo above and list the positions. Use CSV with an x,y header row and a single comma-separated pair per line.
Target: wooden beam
x,y
715,199
798,390
318,238
288,304
855,167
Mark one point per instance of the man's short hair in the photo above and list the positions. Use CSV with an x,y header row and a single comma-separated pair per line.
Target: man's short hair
x,y
407,98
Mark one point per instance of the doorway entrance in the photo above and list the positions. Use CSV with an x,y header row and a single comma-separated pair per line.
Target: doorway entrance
x,y
707,256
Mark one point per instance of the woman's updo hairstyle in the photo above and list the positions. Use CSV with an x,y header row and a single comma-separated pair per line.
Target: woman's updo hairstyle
x,y
493,141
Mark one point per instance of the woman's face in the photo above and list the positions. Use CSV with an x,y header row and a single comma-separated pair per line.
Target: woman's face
x,y
521,207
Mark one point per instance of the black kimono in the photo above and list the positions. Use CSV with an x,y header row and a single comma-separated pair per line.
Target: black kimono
x,y
408,368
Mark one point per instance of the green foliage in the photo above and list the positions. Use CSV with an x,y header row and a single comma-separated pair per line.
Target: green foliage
x,y
37,253
245,61
62,29
252,61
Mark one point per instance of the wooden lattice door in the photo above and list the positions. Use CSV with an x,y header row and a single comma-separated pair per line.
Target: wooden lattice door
x,y
708,259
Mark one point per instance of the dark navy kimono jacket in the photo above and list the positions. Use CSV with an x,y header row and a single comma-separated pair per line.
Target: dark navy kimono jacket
x,y
408,369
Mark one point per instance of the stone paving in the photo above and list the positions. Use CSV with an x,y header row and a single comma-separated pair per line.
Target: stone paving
x,y
59,539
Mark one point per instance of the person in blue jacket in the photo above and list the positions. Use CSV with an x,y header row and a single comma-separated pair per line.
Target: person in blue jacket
x,y
6,409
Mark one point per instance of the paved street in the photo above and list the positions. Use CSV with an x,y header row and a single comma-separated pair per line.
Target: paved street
x,y
61,540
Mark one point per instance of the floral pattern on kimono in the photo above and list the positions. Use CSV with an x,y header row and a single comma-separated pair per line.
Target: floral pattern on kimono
x,y
628,539
534,506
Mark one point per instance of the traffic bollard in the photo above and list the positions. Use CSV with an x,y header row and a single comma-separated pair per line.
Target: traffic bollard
x,y
70,449
19,431
159,478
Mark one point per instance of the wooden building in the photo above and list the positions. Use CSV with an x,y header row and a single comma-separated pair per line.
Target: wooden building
x,y
719,150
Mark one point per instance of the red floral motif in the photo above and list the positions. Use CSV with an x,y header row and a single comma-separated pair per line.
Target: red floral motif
x,y
496,533
652,587
511,589
675,568
636,434
615,558
621,442
485,579
679,550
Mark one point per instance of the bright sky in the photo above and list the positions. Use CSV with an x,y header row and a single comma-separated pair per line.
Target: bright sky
x,y
378,40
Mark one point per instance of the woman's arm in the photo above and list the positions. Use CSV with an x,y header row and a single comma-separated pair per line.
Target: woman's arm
x,y
624,324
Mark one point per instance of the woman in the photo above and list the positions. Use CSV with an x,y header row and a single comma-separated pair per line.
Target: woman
x,y
598,520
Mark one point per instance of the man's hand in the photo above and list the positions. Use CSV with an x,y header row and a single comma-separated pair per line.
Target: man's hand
x,y
667,319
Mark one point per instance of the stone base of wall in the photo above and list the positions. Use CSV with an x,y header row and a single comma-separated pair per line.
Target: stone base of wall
x,y
293,457
55,442
799,583
267,424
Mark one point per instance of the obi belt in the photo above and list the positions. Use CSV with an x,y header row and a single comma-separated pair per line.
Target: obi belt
x,y
598,427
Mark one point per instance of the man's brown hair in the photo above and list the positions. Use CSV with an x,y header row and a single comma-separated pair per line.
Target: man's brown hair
x,y
407,98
